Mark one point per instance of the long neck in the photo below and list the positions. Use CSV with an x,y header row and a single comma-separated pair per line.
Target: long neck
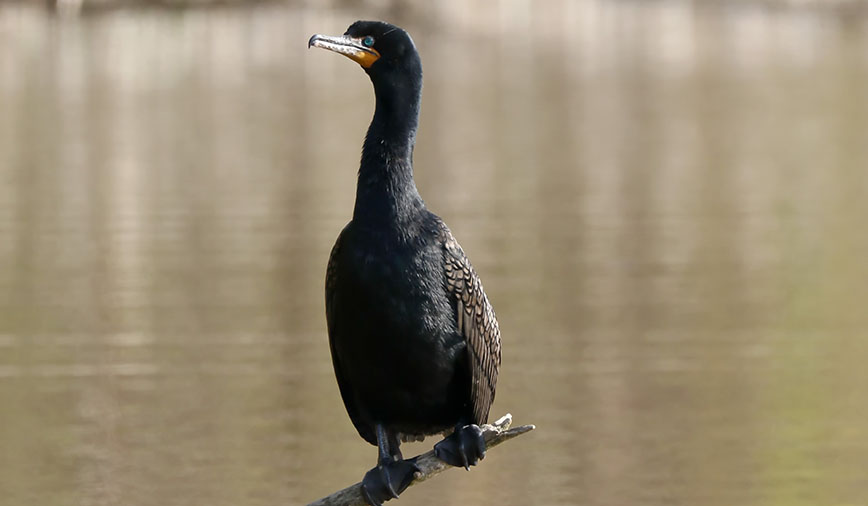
x,y
386,191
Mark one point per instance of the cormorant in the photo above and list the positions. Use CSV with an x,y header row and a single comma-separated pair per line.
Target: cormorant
x,y
414,341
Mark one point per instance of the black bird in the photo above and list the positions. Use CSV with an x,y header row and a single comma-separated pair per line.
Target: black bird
x,y
414,341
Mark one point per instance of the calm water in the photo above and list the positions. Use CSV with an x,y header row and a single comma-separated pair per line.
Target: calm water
x,y
667,203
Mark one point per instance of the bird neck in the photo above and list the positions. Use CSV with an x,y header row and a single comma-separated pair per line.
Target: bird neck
x,y
386,191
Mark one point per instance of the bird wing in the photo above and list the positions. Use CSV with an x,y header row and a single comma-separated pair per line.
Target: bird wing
x,y
331,288
332,280
476,322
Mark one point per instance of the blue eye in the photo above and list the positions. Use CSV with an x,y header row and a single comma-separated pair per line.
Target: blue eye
x,y
368,41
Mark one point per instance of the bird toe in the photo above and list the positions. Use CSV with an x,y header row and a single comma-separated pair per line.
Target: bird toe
x,y
463,448
388,480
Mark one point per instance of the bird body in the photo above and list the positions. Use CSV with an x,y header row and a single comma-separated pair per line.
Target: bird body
x,y
414,340
395,343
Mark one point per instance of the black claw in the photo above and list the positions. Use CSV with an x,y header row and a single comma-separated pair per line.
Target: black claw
x,y
368,498
388,480
389,487
463,448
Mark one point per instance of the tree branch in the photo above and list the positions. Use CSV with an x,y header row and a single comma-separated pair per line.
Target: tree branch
x,y
430,465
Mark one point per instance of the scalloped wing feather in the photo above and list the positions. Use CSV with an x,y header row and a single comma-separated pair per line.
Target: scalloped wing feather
x,y
478,324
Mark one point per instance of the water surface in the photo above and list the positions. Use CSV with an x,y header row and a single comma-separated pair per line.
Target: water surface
x,y
666,202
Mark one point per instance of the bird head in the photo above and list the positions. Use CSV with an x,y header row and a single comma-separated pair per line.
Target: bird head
x,y
380,48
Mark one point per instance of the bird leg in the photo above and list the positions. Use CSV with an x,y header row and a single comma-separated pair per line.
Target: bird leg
x,y
463,448
392,474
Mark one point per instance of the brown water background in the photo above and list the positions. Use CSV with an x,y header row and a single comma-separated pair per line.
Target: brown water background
x,y
667,202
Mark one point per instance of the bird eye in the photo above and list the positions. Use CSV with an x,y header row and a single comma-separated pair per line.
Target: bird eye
x,y
368,41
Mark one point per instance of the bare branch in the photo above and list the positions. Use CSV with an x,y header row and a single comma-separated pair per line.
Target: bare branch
x,y
430,465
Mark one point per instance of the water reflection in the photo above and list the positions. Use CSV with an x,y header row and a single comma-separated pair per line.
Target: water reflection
x,y
665,201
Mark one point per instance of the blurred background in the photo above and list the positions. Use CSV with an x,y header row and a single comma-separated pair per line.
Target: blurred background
x,y
666,200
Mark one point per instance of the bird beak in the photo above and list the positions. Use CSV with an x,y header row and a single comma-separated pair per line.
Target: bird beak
x,y
348,46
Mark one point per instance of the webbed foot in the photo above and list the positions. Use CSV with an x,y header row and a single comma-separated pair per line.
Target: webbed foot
x,y
463,448
388,480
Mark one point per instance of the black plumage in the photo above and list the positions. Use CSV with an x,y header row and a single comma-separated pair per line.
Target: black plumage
x,y
414,340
